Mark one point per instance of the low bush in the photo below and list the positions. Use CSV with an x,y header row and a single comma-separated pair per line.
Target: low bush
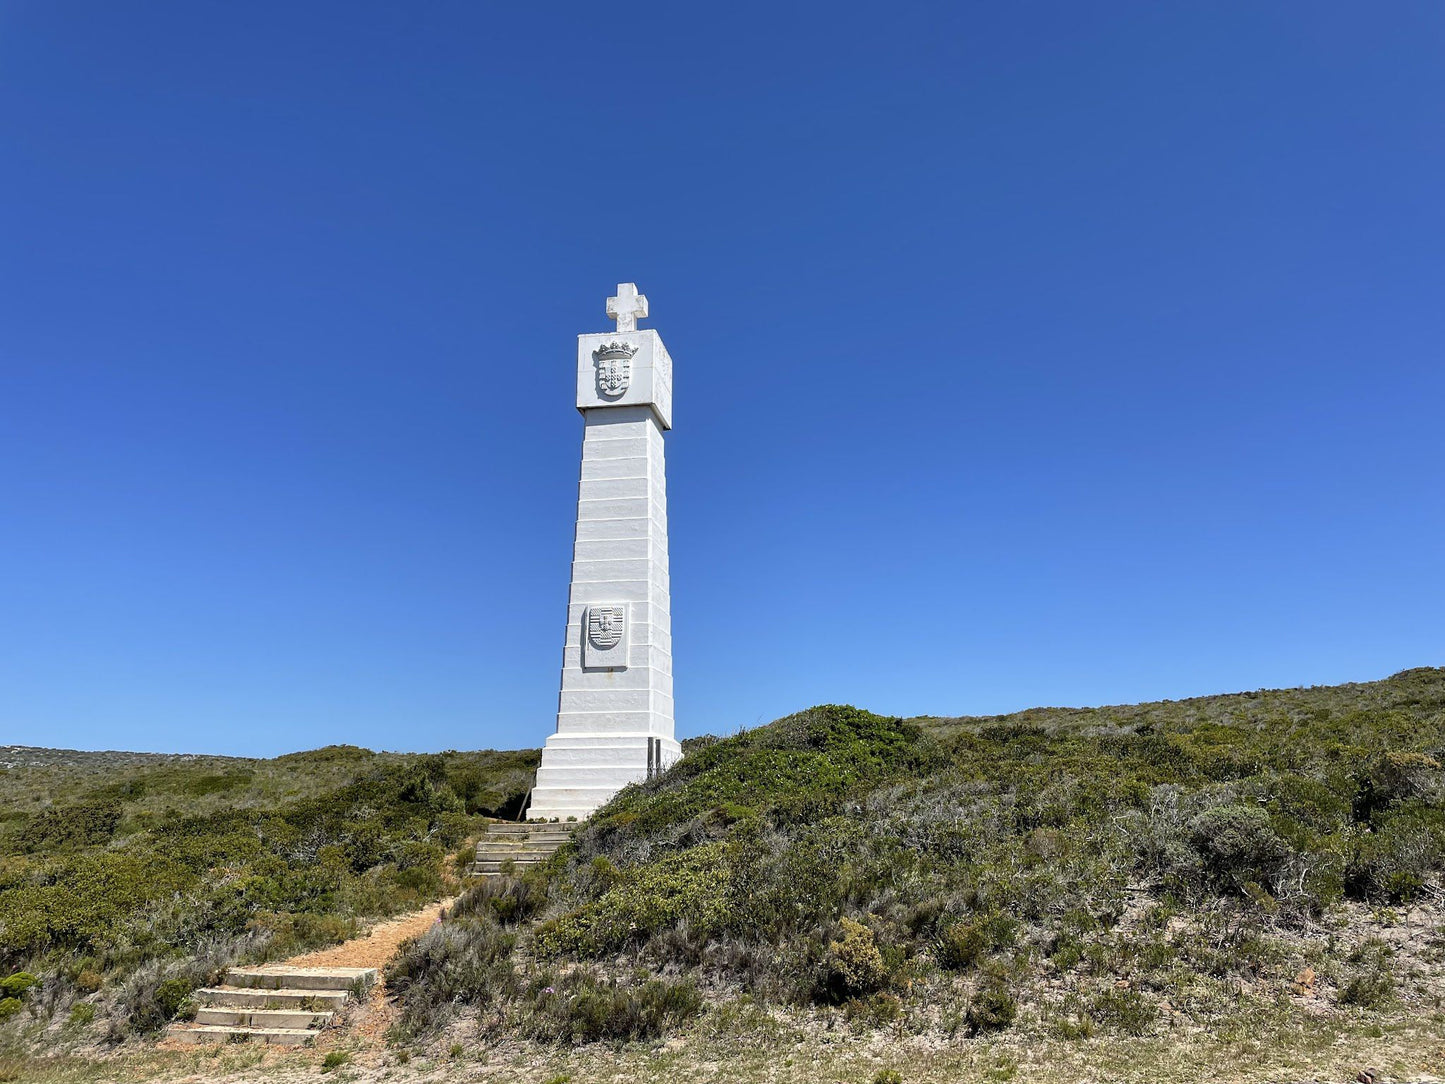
x,y
1239,847
16,985
335,1059
508,899
584,1006
964,943
82,1014
464,961
693,888
854,966
992,1007
291,934
152,996
1369,981
88,980
1124,1010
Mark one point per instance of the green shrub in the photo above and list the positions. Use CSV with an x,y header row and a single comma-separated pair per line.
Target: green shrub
x,y
877,1010
854,966
88,981
82,1014
82,824
585,1007
334,1060
692,887
291,934
152,996
1238,846
1073,1027
216,783
466,961
1397,859
888,1076
9,1006
1370,981
963,944
1395,776
508,899
17,984
1128,1011
992,1007
170,995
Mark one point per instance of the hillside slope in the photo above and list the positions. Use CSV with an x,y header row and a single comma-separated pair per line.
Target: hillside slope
x,y
128,879
1228,860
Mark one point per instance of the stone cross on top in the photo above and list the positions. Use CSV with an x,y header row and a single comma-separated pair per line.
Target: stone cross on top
x,y
627,307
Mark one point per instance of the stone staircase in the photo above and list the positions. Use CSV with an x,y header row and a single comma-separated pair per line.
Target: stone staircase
x,y
287,1006
521,844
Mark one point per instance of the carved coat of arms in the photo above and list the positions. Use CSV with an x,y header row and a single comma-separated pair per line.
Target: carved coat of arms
x,y
614,368
604,626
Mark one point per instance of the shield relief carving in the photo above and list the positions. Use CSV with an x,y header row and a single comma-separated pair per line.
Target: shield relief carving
x,y
614,368
605,636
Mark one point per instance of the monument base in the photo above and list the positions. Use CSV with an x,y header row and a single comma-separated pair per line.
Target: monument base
x,y
580,773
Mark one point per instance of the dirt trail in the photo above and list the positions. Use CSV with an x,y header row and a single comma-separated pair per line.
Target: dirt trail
x,y
378,946
367,1023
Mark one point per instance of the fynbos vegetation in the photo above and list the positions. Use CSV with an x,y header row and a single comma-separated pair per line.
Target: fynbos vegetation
x,y
126,881
1213,862
1110,869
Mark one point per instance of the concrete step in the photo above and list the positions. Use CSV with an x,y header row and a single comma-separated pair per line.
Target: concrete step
x,y
521,845
265,1018
209,1033
502,860
520,841
241,998
279,977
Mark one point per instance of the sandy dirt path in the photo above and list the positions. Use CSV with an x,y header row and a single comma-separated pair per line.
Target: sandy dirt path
x,y
369,1022
378,946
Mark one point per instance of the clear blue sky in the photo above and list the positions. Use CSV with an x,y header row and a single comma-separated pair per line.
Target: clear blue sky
x,y
1038,353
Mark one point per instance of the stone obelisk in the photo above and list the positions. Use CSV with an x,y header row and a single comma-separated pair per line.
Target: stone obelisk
x,y
614,714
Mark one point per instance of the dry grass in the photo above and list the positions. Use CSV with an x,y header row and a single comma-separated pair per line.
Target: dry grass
x,y
1398,1048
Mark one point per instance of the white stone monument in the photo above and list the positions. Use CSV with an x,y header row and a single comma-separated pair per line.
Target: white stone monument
x,y
614,715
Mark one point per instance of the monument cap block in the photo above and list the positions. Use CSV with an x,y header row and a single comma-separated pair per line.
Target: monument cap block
x,y
630,368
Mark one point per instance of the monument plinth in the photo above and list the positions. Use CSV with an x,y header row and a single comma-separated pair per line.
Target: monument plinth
x,y
614,713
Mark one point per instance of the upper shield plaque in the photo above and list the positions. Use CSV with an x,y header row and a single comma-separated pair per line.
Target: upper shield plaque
x,y
614,368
